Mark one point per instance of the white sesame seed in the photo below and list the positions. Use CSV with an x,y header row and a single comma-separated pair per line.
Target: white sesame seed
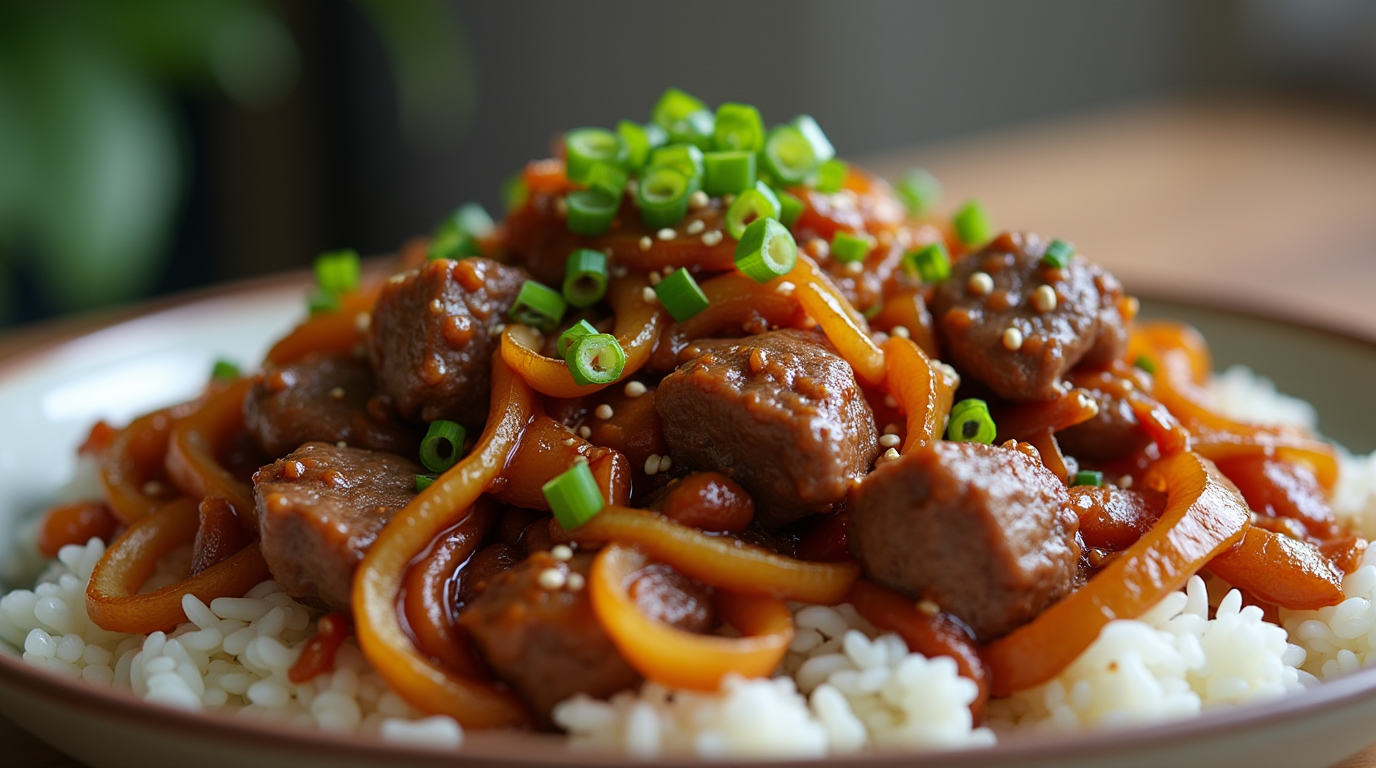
x,y
498,328
785,288
655,277
1125,481
648,295
698,200
436,306
645,243
362,321
552,579
585,432
855,267
152,488
890,441
728,199
891,429
652,464
337,393
341,444
695,227
890,401
711,238
397,279
561,552
634,389
980,284
669,270
819,248
928,607
561,206
901,331
667,233
665,462
569,441
574,582
890,454
1044,298
1012,339
608,252
603,412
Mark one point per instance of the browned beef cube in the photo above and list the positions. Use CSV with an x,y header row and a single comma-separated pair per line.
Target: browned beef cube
x,y
432,337
982,531
780,413
1076,317
320,509
1113,433
323,398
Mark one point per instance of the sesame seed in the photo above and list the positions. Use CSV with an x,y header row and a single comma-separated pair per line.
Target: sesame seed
x,y
152,488
1012,339
855,267
785,288
980,284
695,227
574,582
711,238
667,233
665,462
580,459
561,206
818,248
890,440
928,607
585,432
1125,481
634,389
655,277
648,295
498,328
890,454
901,331
552,579
652,464
669,270
603,411
698,200
890,401
569,441
608,252
561,552
362,321
728,199
341,444
436,306
891,429
1044,298
337,393
645,243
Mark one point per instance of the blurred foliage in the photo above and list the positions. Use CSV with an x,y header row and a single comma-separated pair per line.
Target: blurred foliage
x,y
92,154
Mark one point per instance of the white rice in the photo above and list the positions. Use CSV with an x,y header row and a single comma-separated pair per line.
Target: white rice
x,y
843,687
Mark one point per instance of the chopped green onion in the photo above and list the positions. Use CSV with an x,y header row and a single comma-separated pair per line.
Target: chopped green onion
x,y
831,176
919,190
580,329
425,481
596,358
766,251
591,211
753,204
738,127
1088,477
322,301
515,193
662,195
608,178
972,224
971,422
673,106
848,246
338,271
1058,254
931,263
442,445
681,295
787,155
685,157
790,208
585,146
573,496
1145,363
585,277
457,236
538,306
821,146
224,370
636,142
656,136
726,173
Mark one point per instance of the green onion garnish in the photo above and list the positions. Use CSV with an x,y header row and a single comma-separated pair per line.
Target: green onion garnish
x,y
573,496
790,207
1145,363
591,211
831,176
318,301
1058,254
338,271
787,155
695,129
687,158
753,204
1088,477
681,295
585,277
766,250
972,223
424,481
726,173
224,370
585,146
821,146
931,263
596,358
608,178
919,190
538,306
738,127
515,193
636,142
580,329
848,246
457,235
662,195
971,422
442,445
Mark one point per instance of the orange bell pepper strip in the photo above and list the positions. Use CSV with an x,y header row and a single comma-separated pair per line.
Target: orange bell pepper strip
x,y
378,580
638,327
677,658
1204,516
720,561
335,331
843,326
923,388
134,458
196,440
1291,573
112,598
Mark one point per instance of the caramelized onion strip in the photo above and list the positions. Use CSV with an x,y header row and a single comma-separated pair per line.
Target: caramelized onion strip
x,y
924,390
197,440
843,326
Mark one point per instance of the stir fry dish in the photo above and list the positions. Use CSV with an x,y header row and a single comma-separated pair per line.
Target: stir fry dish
x,y
706,390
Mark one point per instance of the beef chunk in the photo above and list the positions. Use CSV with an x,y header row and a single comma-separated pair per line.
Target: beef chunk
x,y
432,337
546,643
983,531
324,398
1082,324
1115,432
320,509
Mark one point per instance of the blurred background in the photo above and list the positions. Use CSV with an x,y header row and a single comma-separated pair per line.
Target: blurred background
x,y
151,146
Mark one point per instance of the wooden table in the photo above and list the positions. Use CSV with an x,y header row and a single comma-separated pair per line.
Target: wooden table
x,y
1266,205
